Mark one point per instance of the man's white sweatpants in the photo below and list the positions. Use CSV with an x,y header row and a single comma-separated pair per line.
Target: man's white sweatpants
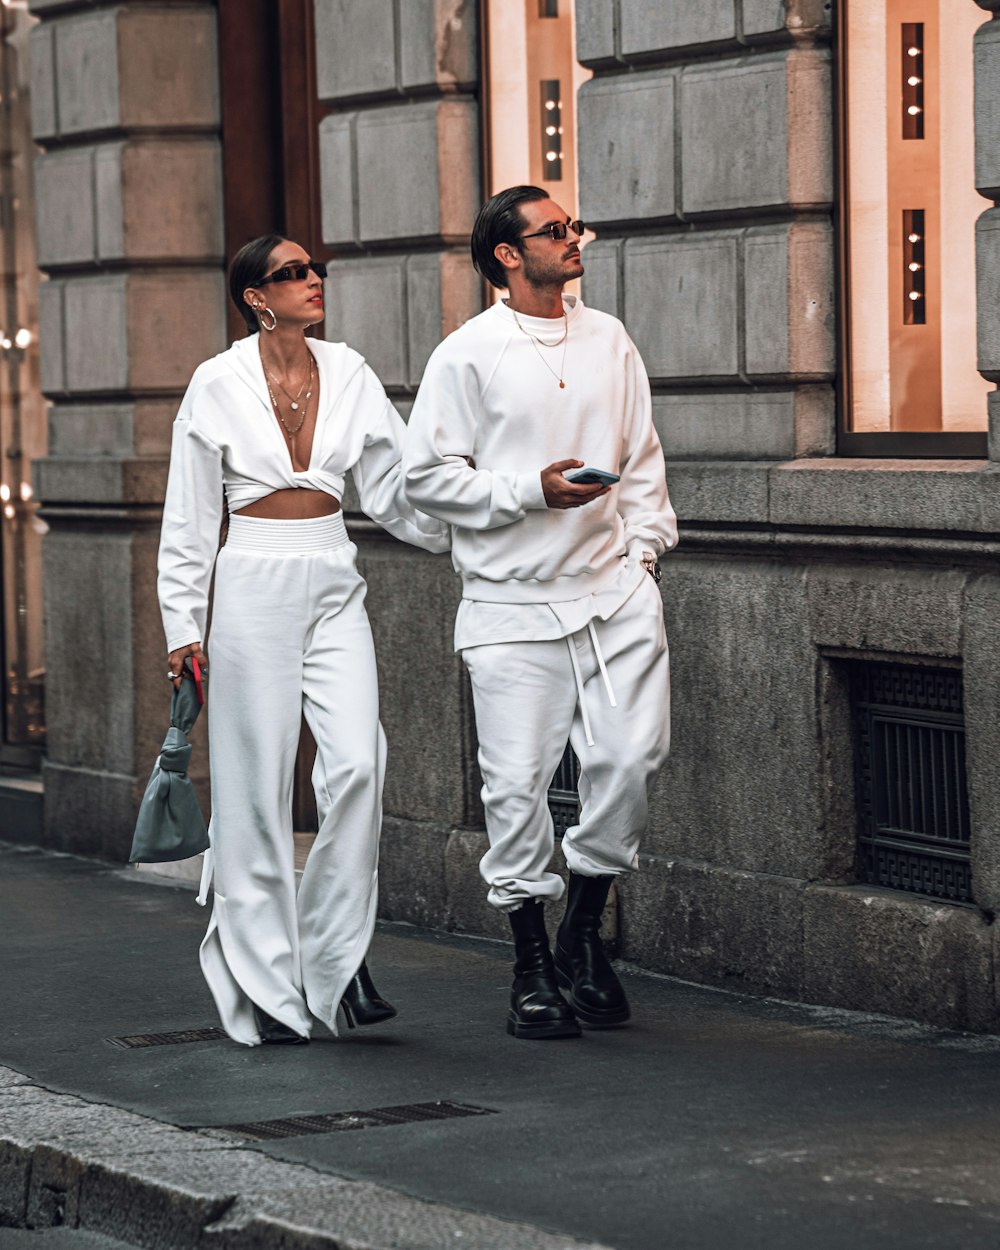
x,y
290,635
529,698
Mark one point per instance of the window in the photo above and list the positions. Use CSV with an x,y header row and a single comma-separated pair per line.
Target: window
x,y
22,409
532,77
908,211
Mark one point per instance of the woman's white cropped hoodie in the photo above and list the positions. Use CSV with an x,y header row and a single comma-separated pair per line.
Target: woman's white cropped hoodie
x,y
226,436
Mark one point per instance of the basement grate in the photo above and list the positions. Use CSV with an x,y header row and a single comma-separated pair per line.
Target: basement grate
x,y
343,1121
136,1041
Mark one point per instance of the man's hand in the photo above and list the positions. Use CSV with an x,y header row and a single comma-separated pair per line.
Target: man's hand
x,y
176,661
562,494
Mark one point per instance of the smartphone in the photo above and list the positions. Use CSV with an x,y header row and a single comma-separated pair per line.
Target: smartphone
x,y
199,686
591,477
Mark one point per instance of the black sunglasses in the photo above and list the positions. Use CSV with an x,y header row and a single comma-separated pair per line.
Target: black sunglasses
x,y
293,273
558,230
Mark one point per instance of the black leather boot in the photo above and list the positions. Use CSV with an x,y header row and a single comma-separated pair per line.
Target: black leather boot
x,y
273,1032
362,1003
537,1009
584,973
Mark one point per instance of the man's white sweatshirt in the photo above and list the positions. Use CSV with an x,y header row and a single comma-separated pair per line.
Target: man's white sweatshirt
x,y
491,393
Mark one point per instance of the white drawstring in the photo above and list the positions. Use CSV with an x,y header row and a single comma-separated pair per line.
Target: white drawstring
x,y
600,661
207,872
579,679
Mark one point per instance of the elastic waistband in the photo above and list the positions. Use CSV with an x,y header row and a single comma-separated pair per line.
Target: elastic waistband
x,y
252,533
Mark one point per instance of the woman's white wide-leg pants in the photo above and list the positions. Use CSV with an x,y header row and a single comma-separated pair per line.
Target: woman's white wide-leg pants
x,y
290,635
529,698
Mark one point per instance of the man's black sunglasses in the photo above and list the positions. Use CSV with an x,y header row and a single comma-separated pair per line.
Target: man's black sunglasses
x,y
293,273
558,230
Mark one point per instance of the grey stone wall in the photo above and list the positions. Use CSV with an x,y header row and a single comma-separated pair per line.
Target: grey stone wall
x,y
129,218
706,152
400,176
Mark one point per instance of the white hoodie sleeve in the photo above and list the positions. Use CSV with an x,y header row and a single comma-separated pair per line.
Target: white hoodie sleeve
x,y
643,502
189,538
440,435
378,473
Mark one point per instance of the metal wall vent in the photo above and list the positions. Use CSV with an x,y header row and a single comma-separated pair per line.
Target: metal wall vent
x,y
914,831
136,1041
343,1121
564,793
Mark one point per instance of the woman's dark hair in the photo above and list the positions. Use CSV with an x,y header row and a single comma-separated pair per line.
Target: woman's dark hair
x,y
500,221
248,266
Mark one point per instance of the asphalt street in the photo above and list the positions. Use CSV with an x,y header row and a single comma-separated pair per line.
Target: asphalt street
x,y
712,1120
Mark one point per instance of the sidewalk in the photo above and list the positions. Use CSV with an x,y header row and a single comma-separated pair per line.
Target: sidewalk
x,y
713,1120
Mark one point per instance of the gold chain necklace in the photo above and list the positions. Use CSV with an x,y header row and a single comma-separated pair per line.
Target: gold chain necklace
x,y
535,344
289,432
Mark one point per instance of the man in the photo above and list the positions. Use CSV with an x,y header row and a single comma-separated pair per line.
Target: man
x,y
561,621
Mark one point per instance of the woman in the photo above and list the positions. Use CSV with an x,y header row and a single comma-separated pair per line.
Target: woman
x,y
278,420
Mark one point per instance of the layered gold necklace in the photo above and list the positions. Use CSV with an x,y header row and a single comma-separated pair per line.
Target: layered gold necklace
x,y
296,402
537,344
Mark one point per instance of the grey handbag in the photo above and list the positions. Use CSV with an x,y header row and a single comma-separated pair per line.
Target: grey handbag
x,y
170,824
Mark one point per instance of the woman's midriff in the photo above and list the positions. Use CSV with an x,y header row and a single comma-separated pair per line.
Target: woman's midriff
x,y
292,504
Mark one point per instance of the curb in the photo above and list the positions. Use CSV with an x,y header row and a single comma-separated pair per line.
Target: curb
x,y
65,1161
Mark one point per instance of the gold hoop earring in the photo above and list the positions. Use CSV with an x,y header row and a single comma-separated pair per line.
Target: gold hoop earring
x,y
263,312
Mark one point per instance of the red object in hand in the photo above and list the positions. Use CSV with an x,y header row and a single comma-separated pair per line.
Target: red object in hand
x,y
196,674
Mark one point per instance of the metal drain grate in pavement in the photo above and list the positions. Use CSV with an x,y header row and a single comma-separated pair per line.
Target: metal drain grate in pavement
x,y
343,1121
135,1041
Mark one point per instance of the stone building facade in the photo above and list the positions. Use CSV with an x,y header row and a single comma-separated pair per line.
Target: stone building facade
x,y
708,171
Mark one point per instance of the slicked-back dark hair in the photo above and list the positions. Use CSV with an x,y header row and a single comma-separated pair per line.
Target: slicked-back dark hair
x,y
248,266
500,221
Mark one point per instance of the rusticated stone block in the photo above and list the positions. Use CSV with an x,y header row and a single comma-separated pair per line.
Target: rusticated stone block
x,y
355,48
680,305
411,873
745,425
757,133
705,490
650,26
85,67
601,285
337,189
595,32
64,206
886,494
739,636
981,655
707,923
799,18
442,292
789,302
873,950
438,43
417,171
627,148
988,293
41,55
368,311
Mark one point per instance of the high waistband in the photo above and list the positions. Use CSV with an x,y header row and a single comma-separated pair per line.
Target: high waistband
x,y
267,537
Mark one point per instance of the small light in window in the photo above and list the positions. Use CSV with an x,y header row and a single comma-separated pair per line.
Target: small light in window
x,y
4,492
914,295
913,110
551,156
913,266
560,129
8,511
914,81
913,238
23,337
550,104
26,491
913,51
550,130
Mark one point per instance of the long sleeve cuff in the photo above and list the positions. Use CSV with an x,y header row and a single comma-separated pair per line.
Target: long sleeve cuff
x,y
529,491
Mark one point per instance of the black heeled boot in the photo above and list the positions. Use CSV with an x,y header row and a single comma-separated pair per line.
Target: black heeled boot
x,y
273,1032
584,973
537,1009
362,1003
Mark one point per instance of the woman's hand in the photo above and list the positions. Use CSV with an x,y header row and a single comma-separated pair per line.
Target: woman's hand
x,y
176,660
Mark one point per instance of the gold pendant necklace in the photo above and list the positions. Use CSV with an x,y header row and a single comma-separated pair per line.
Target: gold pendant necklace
x,y
289,431
535,344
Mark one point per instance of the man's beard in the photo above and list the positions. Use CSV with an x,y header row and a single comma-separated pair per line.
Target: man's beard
x,y
540,273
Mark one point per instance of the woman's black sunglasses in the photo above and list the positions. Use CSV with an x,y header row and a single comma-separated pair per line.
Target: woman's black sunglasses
x,y
293,273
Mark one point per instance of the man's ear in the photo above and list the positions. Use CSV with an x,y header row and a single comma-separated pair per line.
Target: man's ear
x,y
508,255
